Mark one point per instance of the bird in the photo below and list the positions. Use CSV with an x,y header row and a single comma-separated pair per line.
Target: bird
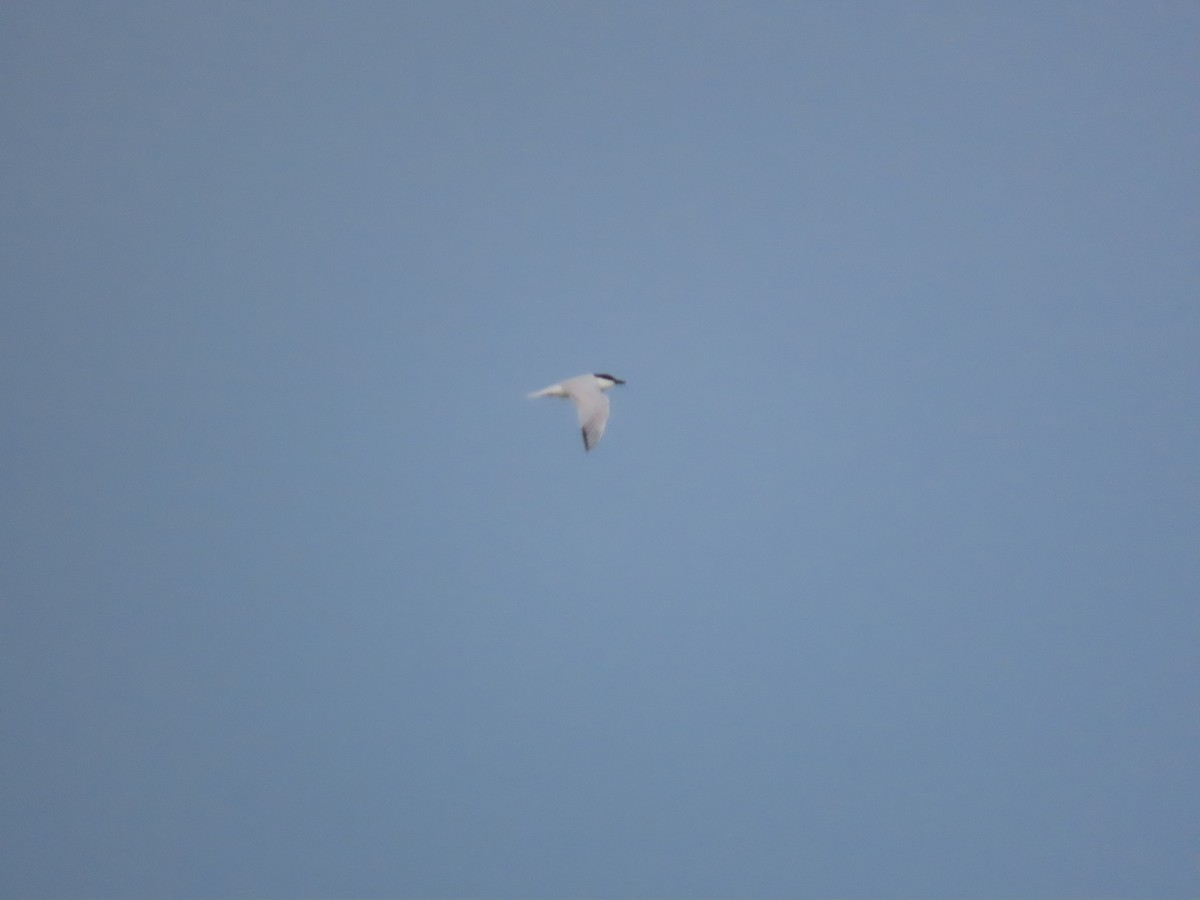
x,y
587,393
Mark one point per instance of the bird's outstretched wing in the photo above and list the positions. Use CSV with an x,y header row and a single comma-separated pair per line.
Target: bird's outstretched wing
x,y
592,406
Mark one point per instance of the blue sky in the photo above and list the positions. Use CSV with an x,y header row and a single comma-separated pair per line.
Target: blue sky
x,y
883,582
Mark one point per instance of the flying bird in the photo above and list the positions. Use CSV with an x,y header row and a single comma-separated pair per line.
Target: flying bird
x,y
587,393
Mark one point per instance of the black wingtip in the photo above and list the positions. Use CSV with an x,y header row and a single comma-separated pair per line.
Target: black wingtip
x,y
583,431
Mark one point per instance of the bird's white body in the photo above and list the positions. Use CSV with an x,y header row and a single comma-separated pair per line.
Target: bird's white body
x,y
587,393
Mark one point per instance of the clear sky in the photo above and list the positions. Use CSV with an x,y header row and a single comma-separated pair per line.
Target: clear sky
x,y
884,582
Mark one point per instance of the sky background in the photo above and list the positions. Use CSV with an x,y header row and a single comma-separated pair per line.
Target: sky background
x,y
883,582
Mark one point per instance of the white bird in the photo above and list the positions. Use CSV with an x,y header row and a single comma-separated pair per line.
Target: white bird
x,y
587,393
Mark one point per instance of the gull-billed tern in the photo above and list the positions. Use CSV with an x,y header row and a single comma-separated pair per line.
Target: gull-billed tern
x,y
587,393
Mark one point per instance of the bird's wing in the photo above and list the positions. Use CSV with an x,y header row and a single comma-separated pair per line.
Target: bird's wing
x,y
592,406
